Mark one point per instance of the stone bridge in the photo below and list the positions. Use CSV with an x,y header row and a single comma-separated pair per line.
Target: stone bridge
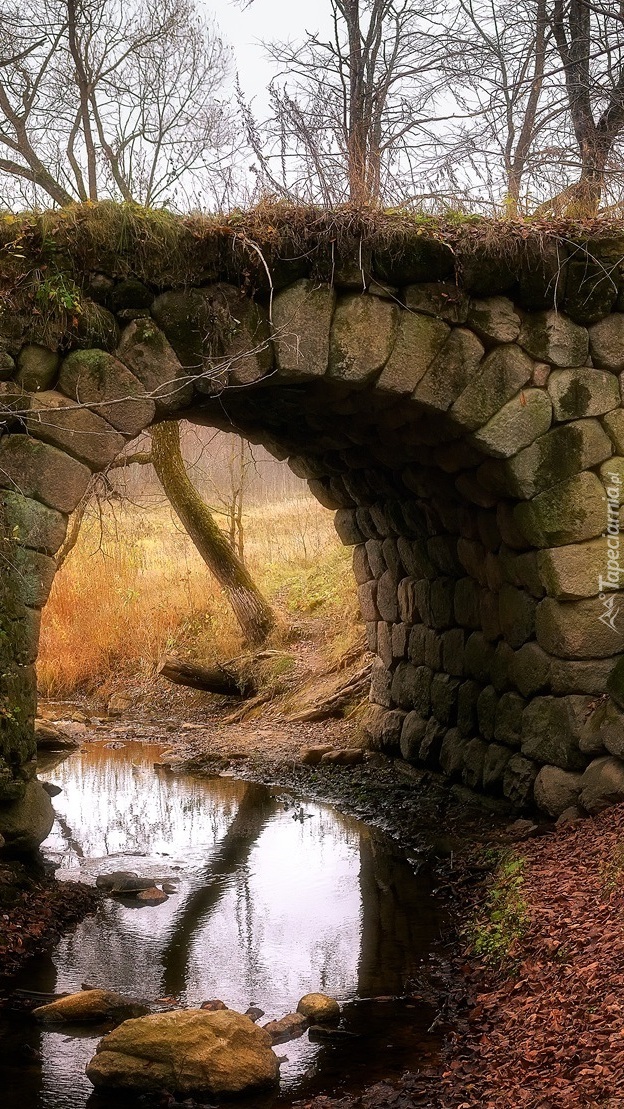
x,y
460,413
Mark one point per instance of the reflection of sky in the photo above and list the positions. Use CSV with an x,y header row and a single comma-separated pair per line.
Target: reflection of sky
x,y
267,907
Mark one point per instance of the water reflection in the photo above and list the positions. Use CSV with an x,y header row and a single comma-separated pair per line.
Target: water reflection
x,y
274,899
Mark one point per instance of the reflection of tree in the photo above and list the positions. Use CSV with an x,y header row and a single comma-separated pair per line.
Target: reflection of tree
x,y
398,919
255,810
69,837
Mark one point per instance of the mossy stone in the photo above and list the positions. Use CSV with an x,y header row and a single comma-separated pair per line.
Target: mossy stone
x,y
551,727
450,371
37,367
555,456
362,336
569,512
302,315
499,377
582,392
419,339
521,420
553,338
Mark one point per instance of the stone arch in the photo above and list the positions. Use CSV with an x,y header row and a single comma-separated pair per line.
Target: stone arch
x,y
471,445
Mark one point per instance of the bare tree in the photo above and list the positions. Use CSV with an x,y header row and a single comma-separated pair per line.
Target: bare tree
x,y
108,98
346,111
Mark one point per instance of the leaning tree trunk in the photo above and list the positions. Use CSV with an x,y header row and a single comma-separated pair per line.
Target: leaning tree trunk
x,y
253,613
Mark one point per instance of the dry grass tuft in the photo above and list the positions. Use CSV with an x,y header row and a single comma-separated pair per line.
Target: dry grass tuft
x,y
134,589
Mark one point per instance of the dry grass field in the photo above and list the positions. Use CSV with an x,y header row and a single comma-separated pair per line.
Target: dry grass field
x,y
134,589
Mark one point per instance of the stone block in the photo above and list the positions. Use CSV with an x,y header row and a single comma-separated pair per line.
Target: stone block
x,y
367,597
486,711
382,520
37,367
381,681
453,652
500,376
400,639
431,744
365,523
472,557
467,698
529,670
382,728
96,378
419,339
478,657
442,550
42,472
412,735
602,784
590,290
494,320
475,751
146,352
527,574
603,730
582,392
466,603
361,568
494,766
444,693
615,682
32,524
450,371
329,493
77,431
439,299
345,522
511,534
452,753
433,649
302,315
606,342
362,336
416,645
553,338
488,614
392,559
371,636
27,822
441,601
579,570
555,790
501,665
570,512
613,422
580,677
551,728
518,779
521,420
516,611
376,560
508,719
558,455
35,572
589,629
423,601
411,687
387,602
406,595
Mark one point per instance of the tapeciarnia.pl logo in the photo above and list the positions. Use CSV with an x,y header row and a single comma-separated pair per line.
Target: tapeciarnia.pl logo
x,y
611,582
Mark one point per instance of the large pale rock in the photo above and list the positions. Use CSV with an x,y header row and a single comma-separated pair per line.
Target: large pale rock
x,y
27,822
419,340
494,320
362,337
90,1006
556,456
582,392
588,629
500,376
79,432
606,342
33,524
450,371
187,1052
45,473
551,728
148,355
555,790
576,571
551,337
96,378
302,315
438,298
602,784
319,1008
521,420
36,367
570,512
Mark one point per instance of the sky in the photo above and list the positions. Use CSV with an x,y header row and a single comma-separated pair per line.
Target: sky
x,y
276,20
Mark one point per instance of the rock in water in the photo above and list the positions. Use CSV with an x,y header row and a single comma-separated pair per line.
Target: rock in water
x,y
187,1052
152,896
92,1006
289,1027
123,881
319,1008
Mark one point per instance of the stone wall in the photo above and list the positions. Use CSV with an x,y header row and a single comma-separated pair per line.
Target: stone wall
x,y
471,445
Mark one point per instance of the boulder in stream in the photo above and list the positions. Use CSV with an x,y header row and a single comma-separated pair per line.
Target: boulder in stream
x,y
287,1028
90,1006
187,1052
123,881
318,1008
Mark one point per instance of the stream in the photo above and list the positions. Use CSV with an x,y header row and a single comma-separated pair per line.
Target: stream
x,y
274,898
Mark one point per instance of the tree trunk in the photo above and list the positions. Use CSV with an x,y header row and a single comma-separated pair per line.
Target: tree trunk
x,y
214,679
252,611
